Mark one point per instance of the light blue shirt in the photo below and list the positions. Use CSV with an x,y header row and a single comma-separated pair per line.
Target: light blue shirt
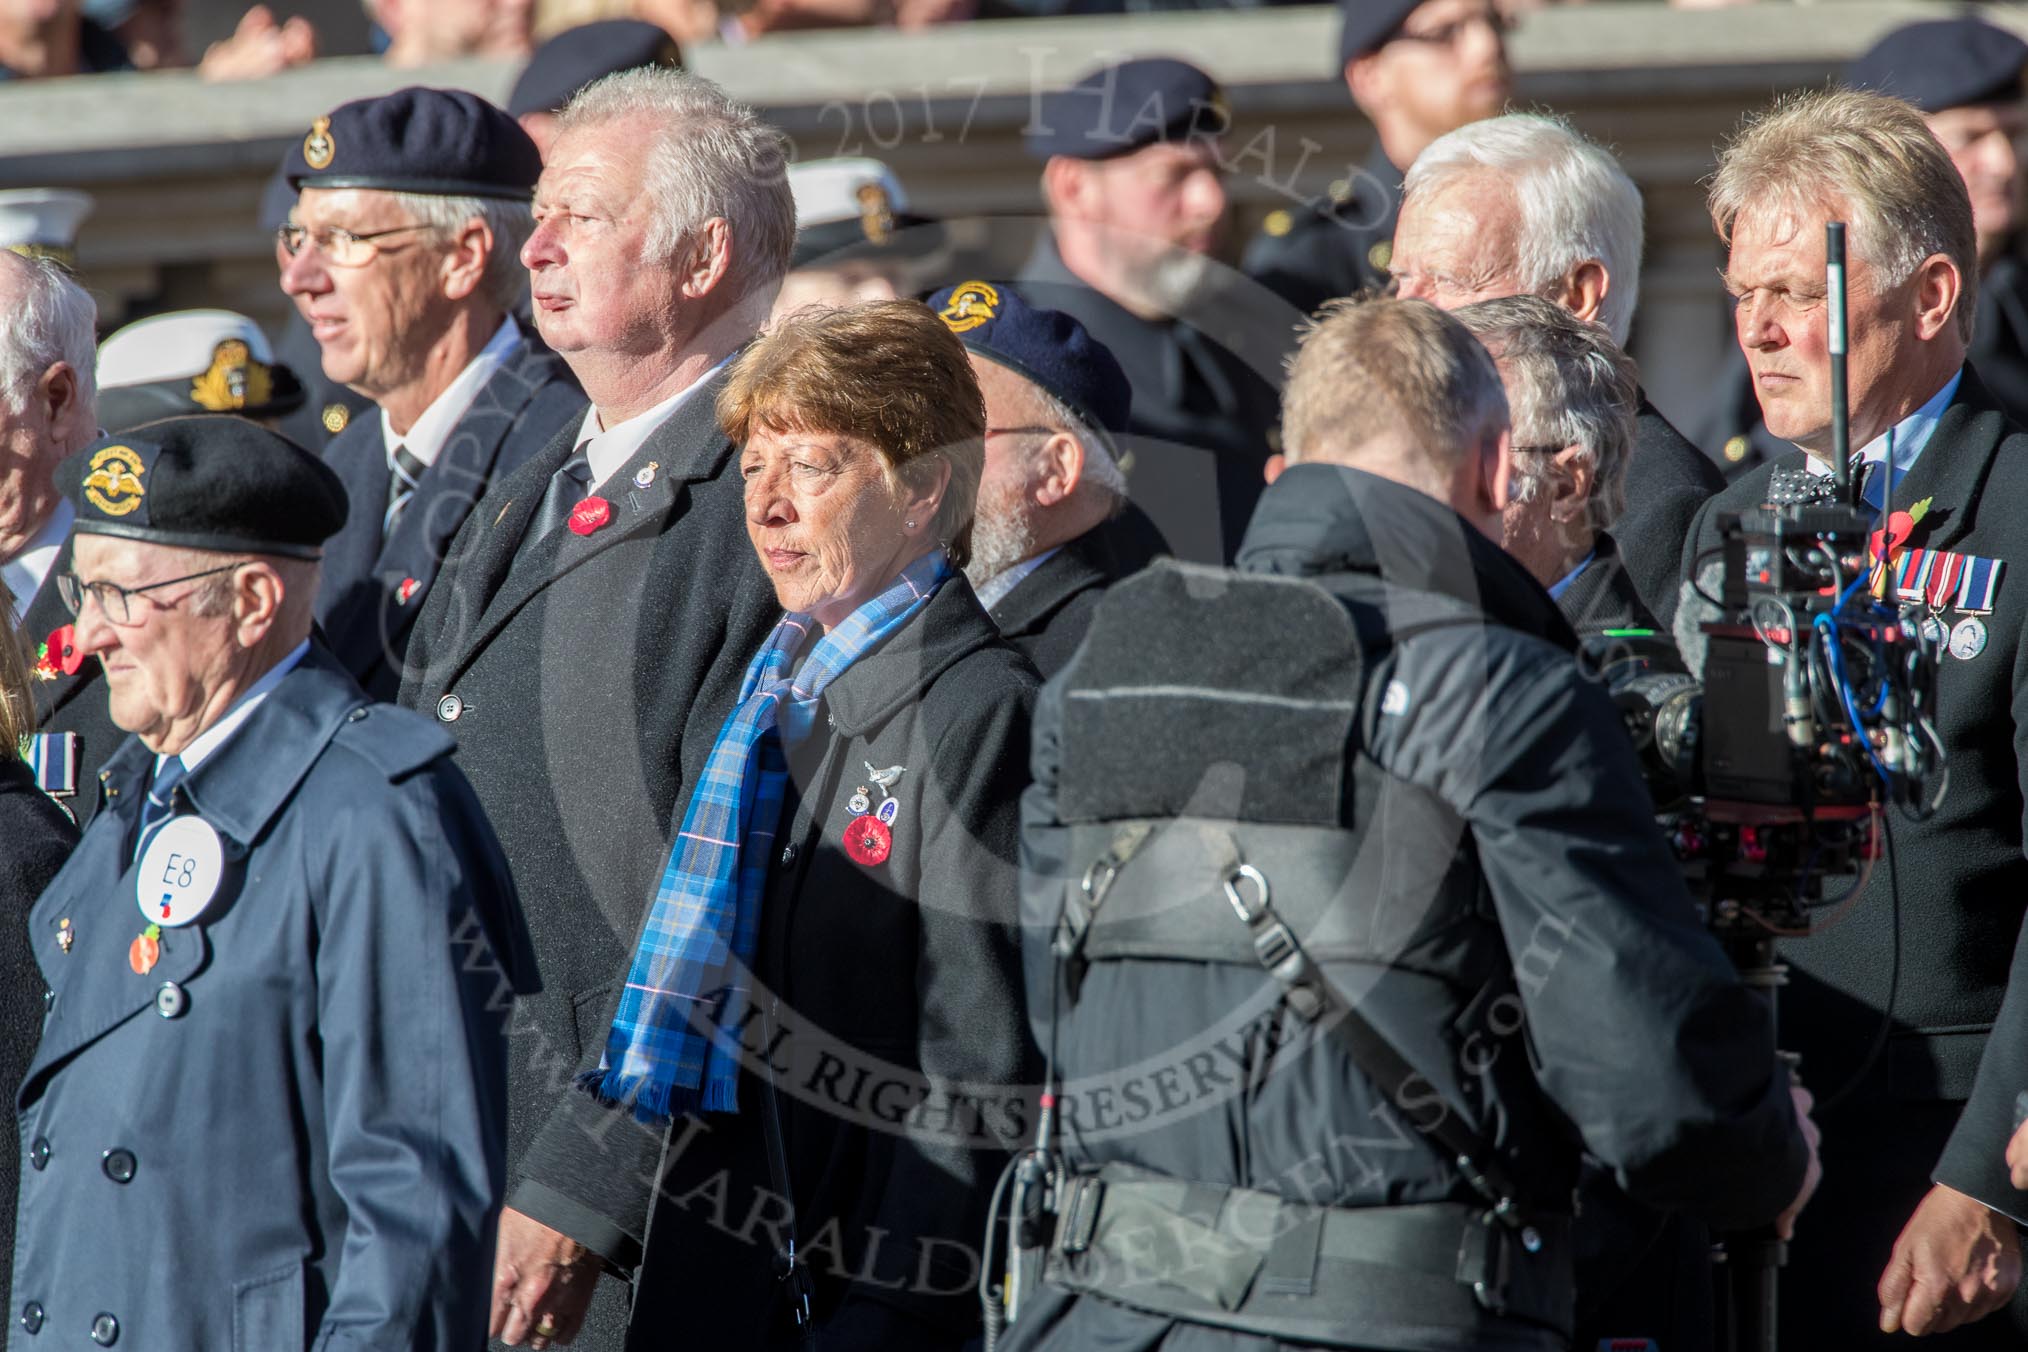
x,y
1562,584
1910,435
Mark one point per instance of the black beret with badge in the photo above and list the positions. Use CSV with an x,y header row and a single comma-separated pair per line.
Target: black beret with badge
x,y
577,56
1120,108
215,482
444,142
1047,348
1944,63
1369,25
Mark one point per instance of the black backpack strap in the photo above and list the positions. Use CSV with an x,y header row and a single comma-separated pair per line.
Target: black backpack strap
x,y
1312,997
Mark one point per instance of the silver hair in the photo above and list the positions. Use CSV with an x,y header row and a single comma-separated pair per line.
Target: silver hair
x,y
505,281
1574,202
1568,384
50,319
711,157
1101,470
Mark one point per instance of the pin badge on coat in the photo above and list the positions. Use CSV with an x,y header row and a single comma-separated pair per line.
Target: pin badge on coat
x,y
869,837
180,871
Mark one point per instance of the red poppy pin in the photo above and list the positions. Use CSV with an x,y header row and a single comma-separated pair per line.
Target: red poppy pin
x,y
145,951
589,515
406,591
58,655
868,841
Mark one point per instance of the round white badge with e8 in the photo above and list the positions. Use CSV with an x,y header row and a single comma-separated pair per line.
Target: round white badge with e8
x,y
179,871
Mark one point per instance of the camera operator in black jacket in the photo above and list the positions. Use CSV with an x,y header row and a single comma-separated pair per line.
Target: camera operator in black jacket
x,y
1371,742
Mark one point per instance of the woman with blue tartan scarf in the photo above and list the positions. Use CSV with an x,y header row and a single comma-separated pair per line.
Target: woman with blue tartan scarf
x,y
825,1000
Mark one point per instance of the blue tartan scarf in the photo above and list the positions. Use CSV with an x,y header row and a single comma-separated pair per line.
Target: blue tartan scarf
x,y
674,1044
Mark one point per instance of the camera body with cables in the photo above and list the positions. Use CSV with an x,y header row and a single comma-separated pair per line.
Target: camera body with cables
x,y
1812,713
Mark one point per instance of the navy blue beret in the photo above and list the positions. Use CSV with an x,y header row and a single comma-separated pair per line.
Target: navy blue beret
x,y
440,141
1368,24
1944,63
577,56
1045,347
214,482
1120,108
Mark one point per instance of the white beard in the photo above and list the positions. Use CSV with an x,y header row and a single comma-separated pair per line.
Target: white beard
x,y
1000,539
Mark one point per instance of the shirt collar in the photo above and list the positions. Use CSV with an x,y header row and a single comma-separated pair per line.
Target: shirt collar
x,y
212,738
608,448
1562,584
25,573
996,588
425,440
1910,435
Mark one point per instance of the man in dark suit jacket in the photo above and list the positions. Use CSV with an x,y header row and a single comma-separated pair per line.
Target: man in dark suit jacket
x,y
1966,75
1480,203
1054,527
1136,206
419,318
590,631
1890,1007
46,412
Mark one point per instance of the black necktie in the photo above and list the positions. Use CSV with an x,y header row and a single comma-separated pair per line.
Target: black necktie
x,y
1801,487
566,490
404,474
161,801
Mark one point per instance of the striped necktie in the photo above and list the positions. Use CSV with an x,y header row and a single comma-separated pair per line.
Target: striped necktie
x,y
161,803
404,473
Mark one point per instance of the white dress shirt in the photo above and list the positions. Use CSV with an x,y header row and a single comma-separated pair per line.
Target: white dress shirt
x,y
607,448
212,738
25,573
425,440
995,589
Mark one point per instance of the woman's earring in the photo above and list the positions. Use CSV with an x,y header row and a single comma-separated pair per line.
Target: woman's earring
x,y
908,525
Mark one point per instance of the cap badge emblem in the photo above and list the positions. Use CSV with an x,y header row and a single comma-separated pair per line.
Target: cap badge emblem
x,y
876,218
233,381
113,482
318,147
971,305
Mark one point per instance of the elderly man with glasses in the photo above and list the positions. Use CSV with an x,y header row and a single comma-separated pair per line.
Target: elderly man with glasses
x,y
280,961
401,253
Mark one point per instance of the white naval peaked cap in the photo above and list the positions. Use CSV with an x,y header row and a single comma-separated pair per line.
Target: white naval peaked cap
x,y
833,190
176,346
43,222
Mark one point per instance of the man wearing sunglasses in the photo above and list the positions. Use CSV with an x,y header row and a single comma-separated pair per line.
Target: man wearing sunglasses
x,y
401,254
1417,69
286,945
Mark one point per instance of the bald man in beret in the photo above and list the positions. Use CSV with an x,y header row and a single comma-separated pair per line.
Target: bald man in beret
x,y
268,1110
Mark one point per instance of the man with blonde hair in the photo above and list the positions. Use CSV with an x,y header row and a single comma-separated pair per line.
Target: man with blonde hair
x,y
1895,1002
1525,205
1383,715
597,598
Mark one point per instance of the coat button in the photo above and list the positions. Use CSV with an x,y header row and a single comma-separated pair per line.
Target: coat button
x,y
788,856
38,1153
449,708
105,1330
170,1000
31,1317
48,1001
119,1165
